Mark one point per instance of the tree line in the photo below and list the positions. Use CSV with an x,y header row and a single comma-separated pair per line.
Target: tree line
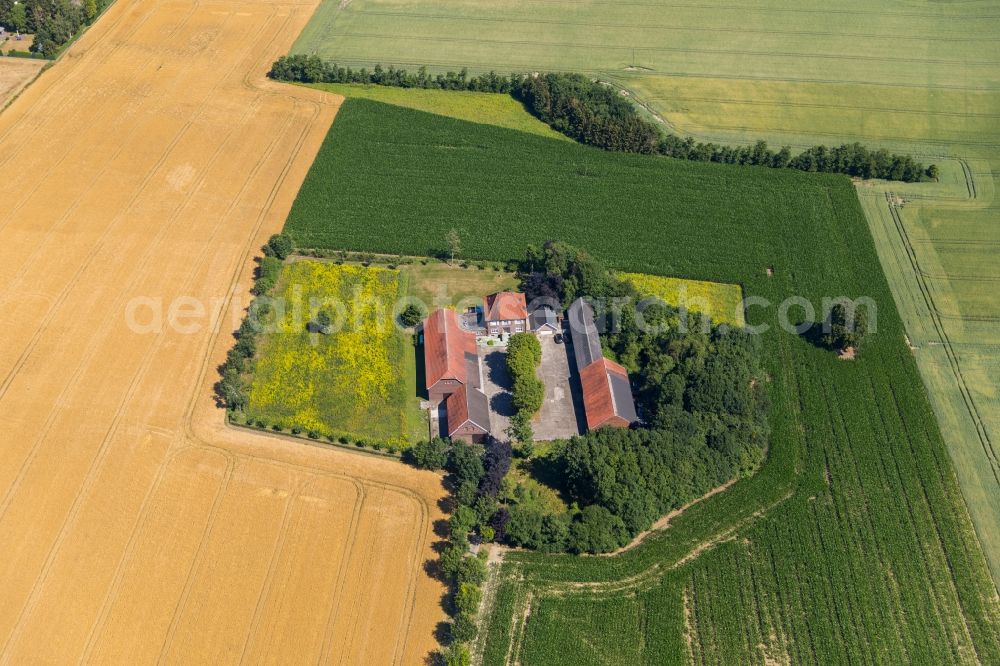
x,y
475,477
524,355
313,69
53,22
598,115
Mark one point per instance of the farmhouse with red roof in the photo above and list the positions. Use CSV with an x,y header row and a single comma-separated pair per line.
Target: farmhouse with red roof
x,y
505,312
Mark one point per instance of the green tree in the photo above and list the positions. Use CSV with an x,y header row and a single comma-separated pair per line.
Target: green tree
x,y
467,599
529,394
471,570
232,389
463,628
412,315
844,329
463,520
432,454
324,322
279,246
457,654
454,242
90,9
18,18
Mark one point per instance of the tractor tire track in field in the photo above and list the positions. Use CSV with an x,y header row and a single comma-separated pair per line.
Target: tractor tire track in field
x,y
671,27
140,397
798,55
953,361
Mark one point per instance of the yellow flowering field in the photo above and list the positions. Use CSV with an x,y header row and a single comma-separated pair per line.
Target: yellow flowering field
x,y
722,302
358,381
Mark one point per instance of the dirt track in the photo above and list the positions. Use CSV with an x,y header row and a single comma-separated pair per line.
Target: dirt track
x,y
150,162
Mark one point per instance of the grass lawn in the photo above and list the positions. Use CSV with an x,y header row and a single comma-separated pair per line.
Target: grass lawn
x,y
851,544
357,382
497,109
440,285
721,302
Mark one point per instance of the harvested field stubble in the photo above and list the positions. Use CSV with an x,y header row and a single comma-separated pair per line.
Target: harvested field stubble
x,y
151,162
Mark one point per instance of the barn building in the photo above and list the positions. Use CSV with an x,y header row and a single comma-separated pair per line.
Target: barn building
x,y
454,377
607,394
467,412
448,351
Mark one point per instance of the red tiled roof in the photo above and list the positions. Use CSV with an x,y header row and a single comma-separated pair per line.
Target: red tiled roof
x,y
461,407
599,400
445,345
506,305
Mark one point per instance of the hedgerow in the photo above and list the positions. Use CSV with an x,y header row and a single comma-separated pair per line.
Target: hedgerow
x,y
597,115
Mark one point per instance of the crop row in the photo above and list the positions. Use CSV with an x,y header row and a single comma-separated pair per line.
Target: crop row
x,y
851,544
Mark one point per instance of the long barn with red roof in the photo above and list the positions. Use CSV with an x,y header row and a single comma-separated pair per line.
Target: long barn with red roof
x,y
448,352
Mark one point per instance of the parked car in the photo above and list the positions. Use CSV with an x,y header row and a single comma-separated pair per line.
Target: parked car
x,y
559,338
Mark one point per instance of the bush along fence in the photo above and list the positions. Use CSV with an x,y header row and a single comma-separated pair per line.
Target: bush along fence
x,y
596,114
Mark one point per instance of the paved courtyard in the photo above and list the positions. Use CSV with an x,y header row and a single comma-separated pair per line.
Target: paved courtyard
x,y
561,416
496,385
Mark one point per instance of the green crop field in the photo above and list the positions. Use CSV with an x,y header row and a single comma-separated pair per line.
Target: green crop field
x,y
916,77
723,303
477,107
358,381
852,544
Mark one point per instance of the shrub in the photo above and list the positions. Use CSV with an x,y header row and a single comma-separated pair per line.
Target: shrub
x,y
463,628
432,454
467,599
412,315
279,246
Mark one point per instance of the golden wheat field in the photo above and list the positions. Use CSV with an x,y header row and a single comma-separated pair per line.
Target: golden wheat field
x,y
141,173
15,73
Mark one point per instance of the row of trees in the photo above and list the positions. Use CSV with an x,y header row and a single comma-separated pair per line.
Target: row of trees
x,y
475,476
524,355
312,69
597,115
232,387
54,22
